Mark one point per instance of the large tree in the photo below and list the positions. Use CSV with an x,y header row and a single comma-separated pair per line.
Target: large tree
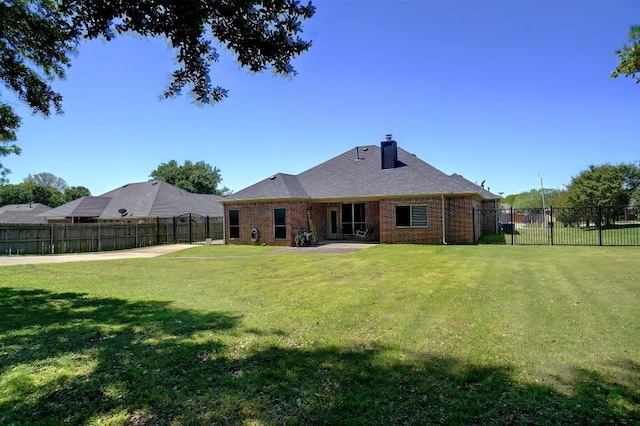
x,y
533,198
37,38
30,192
629,54
74,192
47,179
606,185
8,123
197,178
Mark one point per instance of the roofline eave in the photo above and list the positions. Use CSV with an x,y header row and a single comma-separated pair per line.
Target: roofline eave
x,y
374,197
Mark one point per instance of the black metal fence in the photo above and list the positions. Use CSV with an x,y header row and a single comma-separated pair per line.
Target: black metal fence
x,y
592,226
56,238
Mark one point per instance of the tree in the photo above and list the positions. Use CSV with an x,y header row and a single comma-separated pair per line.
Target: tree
x,y
629,55
15,194
197,178
605,185
29,192
533,198
34,45
74,192
38,36
47,179
8,123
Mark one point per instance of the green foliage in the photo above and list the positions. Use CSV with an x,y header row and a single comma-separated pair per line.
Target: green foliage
x,y
29,192
197,178
533,199
38,36
34,45
629,54
509,199
47,179
8,123
607,185
74,192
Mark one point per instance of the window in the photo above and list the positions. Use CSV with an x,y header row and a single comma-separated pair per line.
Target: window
x,y
234,224
352,218
412,216
280,223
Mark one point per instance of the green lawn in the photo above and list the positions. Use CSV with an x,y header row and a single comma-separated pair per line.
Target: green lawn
x,y
393,334
534,234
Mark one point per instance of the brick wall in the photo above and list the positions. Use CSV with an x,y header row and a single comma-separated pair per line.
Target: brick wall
x,y
260,216
389,233
458,221
489,223
379,218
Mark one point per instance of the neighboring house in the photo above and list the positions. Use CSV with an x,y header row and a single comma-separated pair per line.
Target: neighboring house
x,y
141,202
372,193
23,213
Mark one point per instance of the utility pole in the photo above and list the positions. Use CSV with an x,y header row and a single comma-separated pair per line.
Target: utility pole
x,y
544,207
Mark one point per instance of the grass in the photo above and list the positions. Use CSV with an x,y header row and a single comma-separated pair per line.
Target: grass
x,y
532,233
395,334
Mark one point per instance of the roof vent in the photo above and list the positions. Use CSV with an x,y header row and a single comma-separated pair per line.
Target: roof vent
x,y
272,177
364,149
123,212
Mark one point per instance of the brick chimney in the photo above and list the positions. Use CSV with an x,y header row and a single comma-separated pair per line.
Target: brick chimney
x,y
389,153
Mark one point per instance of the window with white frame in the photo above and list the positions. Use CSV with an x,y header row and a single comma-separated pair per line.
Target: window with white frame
x,y
413,216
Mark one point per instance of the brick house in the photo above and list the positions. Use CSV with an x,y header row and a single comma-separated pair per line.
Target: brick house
x,y
379,194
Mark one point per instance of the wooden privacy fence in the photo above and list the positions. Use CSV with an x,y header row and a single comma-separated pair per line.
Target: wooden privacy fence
x,y
56,238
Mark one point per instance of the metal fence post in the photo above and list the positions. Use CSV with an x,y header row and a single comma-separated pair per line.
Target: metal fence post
x,y
513,227
190,229
599,224
551,224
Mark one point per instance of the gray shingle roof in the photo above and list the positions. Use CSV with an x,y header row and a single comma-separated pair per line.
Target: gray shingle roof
x,y
23,213
357,173
475,188
141,200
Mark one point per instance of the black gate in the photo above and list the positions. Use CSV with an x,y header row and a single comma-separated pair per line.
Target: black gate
x,y
194,228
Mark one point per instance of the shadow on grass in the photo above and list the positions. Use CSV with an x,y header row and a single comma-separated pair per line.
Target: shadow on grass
x,y
67,358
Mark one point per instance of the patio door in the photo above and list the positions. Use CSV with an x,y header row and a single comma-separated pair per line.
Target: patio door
x,y
332,223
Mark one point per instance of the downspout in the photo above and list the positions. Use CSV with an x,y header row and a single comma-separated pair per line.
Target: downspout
x,y
444,237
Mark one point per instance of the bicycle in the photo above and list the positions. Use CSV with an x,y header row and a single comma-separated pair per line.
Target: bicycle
x,y
302,237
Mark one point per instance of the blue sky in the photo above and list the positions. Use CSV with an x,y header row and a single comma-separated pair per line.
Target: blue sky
x,y
502,91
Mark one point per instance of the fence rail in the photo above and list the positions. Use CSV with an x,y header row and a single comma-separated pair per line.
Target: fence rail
x,y
589,226
57,238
